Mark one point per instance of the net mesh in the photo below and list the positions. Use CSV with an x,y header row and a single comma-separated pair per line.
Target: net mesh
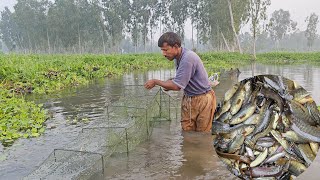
x,y
125,124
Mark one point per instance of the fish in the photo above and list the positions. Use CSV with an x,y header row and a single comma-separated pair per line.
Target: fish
x,y
249,152
223,144
282,141
243,114
270,81
314,147
285,121
307,153
299,94
264,173
265,116
239,158
276,121
248,92
259,159
281,161
267,138
264,132
289,84
229,94
294,137
297,153
236,143
313,110
237,101
305,100
219,127
246,130
265,143
296,168
304,130
271,94
226,161
274,148
225,107
300,112
225,117
253,119
275,157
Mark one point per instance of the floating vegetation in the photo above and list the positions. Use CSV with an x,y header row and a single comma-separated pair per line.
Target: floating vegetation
x,y
19,118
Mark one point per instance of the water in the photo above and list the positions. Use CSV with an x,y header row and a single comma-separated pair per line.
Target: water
x,y
89,102
169,154
305,75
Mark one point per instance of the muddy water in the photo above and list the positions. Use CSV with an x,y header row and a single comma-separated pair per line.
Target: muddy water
x,y
169,154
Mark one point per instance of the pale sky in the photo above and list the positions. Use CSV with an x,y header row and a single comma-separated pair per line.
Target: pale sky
x,y
299,10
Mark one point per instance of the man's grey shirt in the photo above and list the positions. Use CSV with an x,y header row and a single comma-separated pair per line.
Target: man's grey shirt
x,y
191,75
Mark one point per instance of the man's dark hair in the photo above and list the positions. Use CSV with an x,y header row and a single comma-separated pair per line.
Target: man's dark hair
x,y
170,38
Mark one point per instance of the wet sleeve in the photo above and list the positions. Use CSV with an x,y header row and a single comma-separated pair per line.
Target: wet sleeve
x,y
184,74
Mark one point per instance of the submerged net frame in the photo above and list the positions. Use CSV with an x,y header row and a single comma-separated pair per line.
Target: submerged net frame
x,y
128,122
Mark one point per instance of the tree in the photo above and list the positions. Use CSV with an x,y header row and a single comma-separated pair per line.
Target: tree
x,y
30,16
233,25
8,28
141,15
64,22
116,15
280,24
257,12
193,15
311,32
178,10
219,24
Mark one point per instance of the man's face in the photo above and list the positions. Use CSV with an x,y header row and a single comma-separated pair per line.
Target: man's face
x,y
170,52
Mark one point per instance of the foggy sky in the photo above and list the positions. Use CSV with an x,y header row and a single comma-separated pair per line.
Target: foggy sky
x,y
299,10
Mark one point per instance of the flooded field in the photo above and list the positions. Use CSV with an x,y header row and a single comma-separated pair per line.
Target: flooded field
x,y
169,154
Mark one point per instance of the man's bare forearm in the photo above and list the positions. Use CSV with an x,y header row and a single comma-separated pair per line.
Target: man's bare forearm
x,y
168,85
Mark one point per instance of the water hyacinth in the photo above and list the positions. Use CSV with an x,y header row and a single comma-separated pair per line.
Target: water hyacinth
x,y
19,118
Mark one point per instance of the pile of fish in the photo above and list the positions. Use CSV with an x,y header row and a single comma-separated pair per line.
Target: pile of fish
x,y
267,126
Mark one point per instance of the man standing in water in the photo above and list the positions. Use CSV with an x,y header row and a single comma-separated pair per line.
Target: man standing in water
x,y
199,100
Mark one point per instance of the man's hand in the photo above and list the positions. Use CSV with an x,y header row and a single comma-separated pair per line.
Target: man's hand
x,y
150,84
168,85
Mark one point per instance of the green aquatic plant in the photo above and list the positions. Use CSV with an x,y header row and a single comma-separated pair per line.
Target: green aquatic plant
x,y
289,57
19,118
48,73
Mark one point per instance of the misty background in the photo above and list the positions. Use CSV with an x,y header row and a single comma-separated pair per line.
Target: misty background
x,y
133,26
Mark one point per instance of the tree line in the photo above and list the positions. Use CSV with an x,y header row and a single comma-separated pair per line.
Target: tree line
x,y
106,26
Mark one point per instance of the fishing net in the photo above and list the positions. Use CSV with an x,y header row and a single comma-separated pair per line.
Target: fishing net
x,y
126,123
